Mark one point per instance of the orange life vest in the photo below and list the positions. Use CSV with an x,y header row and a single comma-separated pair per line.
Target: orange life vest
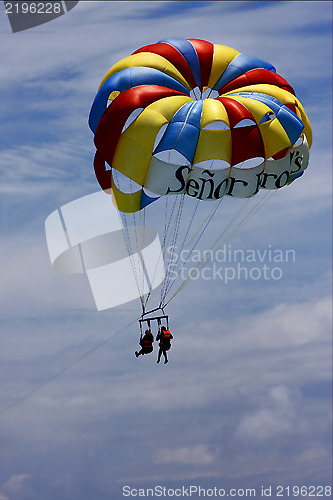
x,y
166,334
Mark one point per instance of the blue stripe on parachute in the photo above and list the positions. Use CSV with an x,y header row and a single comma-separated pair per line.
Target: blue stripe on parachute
x,y
240,65
183,131
189,53
126,79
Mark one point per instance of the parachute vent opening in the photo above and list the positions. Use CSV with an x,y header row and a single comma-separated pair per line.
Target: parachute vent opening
x,y
213,165
250,163
173,157
123,183
208,93
150,193
132,117
112,96
196,94
245,123
268,116
217,125
159,135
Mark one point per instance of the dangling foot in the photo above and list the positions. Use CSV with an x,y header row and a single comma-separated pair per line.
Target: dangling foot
x,y
165,362
136,354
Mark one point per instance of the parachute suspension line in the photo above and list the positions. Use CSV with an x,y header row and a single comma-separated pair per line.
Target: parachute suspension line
x,y
167,224
165,217
163,245
206,221
248,216
139,229
199,231
174,234
131,258
142,239
143,224
152,280
189,226
124,223
267,196
140,272
173,246
167,227
160,256
209,216
203,258
187,232
232,221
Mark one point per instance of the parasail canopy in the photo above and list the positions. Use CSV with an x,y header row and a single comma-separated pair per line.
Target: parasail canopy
x,y
195,118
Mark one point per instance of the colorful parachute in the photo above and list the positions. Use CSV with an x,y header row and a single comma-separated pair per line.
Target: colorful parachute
x,y
191,117
198,120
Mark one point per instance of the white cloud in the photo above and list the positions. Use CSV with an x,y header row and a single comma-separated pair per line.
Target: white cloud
x,y
16,487
24,172
190,455
276,417
26,273
290,324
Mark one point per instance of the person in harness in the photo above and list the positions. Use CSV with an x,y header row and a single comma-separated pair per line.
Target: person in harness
x,y
165,337
146,343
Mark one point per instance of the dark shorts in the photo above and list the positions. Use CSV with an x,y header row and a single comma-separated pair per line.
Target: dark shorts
x,y
147,350
165,347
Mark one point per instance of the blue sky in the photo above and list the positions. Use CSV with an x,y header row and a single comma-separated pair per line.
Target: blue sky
x,y
246,398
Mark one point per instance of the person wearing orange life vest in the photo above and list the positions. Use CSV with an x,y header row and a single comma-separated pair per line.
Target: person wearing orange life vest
x,y
146,343
165,337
